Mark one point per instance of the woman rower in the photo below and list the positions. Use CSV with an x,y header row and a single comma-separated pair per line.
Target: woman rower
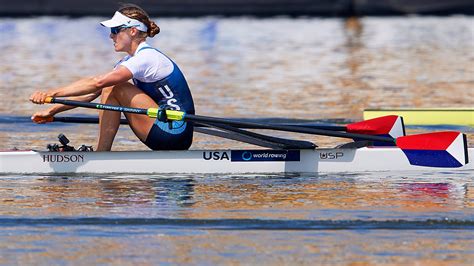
x,y
157,82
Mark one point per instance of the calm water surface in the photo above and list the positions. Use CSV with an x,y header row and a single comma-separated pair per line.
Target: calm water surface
x,y
243,67
370,218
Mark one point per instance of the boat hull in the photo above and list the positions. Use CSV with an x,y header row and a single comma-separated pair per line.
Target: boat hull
x,y
212,161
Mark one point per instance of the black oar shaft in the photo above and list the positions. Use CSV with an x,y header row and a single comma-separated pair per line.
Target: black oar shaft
x,y
99,106
296,129
283,143
310,125
235,134
95,120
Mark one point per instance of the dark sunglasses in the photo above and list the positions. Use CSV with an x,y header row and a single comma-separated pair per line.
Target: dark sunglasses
x,y
116,30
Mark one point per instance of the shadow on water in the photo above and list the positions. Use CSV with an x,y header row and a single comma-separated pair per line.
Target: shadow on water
x,y
11,123
245,224
24,122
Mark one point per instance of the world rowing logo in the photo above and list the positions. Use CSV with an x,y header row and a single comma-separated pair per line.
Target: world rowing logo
x,y
246,156
264,156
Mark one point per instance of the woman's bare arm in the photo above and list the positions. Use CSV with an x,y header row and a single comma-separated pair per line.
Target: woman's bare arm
x,y
41,117
85,86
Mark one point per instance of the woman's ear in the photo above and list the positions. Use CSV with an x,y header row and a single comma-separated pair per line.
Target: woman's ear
x,y
134,31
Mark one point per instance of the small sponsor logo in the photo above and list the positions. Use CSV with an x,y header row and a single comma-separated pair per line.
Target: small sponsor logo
x,y
215,155
259,155
330,155
63,158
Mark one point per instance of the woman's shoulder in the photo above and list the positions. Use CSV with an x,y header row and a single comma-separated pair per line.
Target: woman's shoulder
x,y
151,55
125,58
146,48
149,64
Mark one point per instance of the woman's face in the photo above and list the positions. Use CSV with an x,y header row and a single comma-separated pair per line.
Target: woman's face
x,y
122,39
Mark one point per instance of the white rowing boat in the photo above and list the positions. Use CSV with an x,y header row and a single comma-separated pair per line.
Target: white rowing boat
x,y
426,152
352,160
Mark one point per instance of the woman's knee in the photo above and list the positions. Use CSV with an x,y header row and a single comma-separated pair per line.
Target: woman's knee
x,y
115,90
107,90
129,95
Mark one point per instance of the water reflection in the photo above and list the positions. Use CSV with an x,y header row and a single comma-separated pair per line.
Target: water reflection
x,y
270,197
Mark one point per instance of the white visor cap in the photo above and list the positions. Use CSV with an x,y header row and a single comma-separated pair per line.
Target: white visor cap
x,y
120,19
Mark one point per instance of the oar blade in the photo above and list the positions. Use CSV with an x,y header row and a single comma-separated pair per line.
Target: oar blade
x,y
390,125
440,149
385,126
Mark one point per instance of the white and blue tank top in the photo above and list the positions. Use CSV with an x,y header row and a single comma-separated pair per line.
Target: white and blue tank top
x,y
159,77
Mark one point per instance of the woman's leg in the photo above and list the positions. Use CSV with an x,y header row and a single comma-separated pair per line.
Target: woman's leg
x,y
124,94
